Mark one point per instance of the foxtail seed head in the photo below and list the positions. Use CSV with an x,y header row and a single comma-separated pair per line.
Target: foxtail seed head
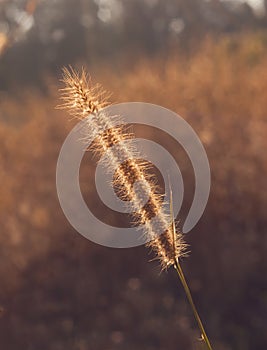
x,y
81,98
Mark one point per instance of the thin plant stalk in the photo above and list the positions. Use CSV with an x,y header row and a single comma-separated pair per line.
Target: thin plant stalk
x,y
180,273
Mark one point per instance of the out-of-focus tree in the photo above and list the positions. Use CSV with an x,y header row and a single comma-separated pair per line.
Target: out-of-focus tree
x,y
16,19
41,35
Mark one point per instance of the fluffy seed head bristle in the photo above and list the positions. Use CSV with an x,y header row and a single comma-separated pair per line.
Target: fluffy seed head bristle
x,y
168,247
80,96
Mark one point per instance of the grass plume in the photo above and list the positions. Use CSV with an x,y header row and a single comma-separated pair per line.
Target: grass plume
x,y
83,99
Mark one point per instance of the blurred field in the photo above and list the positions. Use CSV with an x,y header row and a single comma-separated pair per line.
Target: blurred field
x,y
60,291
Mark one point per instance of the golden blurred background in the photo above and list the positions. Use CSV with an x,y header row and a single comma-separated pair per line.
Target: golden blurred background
x,y
205,60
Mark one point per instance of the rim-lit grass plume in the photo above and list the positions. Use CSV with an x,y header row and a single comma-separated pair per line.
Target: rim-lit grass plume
x,y
84,100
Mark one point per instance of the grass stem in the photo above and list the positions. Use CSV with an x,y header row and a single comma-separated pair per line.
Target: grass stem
x,y
204,336
179,270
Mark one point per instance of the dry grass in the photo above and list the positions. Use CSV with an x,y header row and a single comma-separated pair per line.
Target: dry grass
x,y
82,99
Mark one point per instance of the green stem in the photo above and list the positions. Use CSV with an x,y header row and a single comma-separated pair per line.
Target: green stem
x,y
179,270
